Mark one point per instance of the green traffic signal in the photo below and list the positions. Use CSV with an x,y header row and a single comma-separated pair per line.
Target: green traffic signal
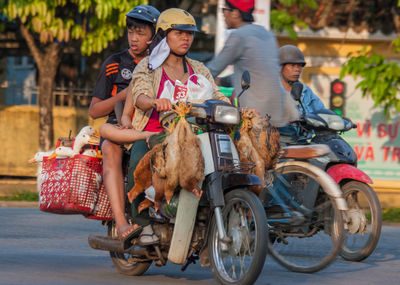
x,y
338,111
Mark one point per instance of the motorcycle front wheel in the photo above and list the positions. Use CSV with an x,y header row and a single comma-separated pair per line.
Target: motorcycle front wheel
x,y
239,261
364,221
125,263
312,241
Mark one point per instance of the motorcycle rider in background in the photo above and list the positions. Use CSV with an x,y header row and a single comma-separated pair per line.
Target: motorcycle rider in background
x,y
251,47
292,62
364,217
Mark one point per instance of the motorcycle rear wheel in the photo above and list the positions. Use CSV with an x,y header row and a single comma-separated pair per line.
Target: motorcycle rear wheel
x,y
123,262
362,198
243,259
323,231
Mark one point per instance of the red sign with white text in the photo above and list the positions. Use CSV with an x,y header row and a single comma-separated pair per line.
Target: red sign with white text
x,y
180,92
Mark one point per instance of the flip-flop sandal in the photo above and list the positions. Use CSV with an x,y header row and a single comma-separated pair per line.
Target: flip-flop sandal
x,y
127,239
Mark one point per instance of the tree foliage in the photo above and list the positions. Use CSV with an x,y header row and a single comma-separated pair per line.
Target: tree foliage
x,y
284,21
48,26
380,78
94,22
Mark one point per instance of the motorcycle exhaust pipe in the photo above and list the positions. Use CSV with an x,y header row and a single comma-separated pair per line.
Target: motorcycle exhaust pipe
x,y
106,243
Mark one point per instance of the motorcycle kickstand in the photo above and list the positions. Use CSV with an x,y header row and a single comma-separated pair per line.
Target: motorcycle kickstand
x,y
191,259
160,256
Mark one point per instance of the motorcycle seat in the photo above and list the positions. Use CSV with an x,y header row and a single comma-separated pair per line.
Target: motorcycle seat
x,y
305,151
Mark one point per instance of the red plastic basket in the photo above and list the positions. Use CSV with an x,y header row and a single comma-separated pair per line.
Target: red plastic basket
x,y
102,210
70,185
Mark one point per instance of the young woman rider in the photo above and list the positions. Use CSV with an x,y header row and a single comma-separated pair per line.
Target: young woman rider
x,y
166,64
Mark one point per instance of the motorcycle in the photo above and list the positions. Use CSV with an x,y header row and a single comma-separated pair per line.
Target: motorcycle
x,y
364,216
306,234
226,228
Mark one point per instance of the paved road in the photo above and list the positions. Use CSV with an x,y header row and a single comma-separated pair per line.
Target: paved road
x,y
41,248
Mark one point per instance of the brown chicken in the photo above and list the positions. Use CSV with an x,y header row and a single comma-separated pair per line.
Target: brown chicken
x,y
158,184
146,203
177,161
266,140
167,165
143,174
191,170
157,181
247,152
184,163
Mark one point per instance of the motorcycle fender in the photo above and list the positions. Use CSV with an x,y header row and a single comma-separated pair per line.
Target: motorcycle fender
x,y
328,184
217,183
183,229
338,172
233,180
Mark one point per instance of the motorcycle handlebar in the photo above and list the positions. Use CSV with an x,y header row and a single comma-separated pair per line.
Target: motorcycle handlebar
x,y
302,122
167,113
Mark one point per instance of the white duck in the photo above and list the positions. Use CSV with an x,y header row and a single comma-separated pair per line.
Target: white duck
x,y
80,141
38,158
90,152
88,130
86,135
65,151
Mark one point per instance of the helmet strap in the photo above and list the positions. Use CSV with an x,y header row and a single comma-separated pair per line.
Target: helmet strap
x,y
183,60
156,39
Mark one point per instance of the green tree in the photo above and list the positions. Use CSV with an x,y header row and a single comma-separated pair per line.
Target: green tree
x,y
50,26
282,17
380,77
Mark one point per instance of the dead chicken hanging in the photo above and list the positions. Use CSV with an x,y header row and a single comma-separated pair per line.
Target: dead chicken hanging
x,y
177,161
248,154
266,140
259,140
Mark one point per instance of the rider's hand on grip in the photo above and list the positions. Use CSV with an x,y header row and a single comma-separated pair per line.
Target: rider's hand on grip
x,y
162,105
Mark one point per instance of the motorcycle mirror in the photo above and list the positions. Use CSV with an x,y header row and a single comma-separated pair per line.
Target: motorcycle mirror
x,y
245,85
297,89
245,80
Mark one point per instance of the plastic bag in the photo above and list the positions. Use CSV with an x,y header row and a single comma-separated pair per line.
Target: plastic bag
x,y
197,89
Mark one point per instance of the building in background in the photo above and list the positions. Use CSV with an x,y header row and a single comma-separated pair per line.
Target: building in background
x,y
336,28
20,81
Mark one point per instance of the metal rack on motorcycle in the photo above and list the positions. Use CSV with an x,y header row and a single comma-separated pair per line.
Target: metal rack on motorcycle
x,y
234,165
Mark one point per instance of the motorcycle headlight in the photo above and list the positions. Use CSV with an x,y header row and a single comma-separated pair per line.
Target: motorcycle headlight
x,y
335,122
226,114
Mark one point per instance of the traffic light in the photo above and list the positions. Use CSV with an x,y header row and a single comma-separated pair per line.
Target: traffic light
x,y
337,99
